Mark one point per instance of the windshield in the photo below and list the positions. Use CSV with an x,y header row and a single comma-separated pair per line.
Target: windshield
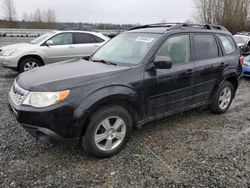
x,y
240,39
127,48
41,38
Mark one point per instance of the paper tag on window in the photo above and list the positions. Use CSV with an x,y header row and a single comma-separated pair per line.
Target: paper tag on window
x,y
144,39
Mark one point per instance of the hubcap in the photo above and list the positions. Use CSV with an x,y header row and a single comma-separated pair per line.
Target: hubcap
x,y
110,133
225,98
30,65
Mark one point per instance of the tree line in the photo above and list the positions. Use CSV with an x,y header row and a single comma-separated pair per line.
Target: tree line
x,y
233,14
38,19
40,16
46,19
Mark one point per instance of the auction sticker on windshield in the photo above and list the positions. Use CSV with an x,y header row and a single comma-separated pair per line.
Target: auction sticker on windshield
x,y
144,39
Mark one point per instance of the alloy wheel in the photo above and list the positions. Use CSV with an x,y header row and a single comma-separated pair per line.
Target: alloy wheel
x,y
110,133
30,65
225,98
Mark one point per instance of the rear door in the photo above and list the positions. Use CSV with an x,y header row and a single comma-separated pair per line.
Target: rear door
x,y
85,44
209,64
61,49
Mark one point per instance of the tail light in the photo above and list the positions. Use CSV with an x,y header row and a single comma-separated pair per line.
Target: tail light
x,y
242,60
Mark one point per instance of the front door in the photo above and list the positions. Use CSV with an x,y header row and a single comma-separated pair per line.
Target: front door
x,y
170,90
61,48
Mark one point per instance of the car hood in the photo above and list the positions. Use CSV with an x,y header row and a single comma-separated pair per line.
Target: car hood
x,y
241,44
17,46
66,75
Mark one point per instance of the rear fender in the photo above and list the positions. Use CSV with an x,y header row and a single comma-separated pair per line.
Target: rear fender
x,y
227,75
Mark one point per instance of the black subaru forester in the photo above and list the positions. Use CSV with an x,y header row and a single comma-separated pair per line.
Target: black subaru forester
x,y
144,74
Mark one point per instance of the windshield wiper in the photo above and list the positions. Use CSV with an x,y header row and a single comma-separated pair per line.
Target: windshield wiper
x,y
104,61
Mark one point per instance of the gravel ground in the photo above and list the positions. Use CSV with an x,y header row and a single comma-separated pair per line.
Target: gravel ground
x,y
192,149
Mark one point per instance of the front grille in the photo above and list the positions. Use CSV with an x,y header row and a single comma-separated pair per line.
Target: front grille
x,y
17,94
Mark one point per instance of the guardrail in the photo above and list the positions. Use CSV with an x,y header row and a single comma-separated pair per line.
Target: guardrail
x,y
8,32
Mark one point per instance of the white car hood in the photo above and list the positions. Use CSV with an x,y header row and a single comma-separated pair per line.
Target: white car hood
x,y
241,44
18,46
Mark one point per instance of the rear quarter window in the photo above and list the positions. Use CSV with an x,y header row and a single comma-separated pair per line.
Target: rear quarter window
x,y
228,44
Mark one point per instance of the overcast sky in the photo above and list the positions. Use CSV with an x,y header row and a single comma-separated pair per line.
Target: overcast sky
x,y
112,11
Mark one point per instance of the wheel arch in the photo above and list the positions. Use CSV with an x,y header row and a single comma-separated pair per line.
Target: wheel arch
x,y
122,100
30,56
232,78
234,81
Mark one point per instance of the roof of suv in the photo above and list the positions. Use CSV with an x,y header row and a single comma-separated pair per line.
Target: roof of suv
x,y
161,28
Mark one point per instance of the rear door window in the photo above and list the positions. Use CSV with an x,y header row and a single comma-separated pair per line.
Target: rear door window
x,y
85,38
227,43
205,47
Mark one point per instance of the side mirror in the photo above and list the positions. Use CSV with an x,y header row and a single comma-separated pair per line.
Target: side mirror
x,y
49,42
163,62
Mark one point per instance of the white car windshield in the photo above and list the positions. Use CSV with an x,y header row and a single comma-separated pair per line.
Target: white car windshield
x,y
42,38
128,48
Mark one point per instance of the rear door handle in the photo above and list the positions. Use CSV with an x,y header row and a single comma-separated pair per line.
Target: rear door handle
x,y
223,64
189,72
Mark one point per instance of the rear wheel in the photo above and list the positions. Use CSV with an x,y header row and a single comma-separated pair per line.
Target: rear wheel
x,y
28,64
223,98
108,131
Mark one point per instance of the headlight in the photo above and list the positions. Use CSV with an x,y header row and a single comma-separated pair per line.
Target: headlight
x,y
44,99
9,52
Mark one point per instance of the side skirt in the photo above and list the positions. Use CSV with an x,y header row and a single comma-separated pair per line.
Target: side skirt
x,y
166,114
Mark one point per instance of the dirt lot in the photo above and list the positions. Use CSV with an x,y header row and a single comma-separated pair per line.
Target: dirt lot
x,y
192,149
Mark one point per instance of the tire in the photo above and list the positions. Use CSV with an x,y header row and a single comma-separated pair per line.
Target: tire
x,y
95,130
217,106
30,61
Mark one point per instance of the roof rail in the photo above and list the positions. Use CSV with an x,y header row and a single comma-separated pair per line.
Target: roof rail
x,y
154,25
173,26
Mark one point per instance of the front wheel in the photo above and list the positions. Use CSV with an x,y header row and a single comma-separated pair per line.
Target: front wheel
x,y
223,98
28,64
108,132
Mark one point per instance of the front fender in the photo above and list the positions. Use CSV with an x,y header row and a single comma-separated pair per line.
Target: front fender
x,y
34,53
108,92
99,97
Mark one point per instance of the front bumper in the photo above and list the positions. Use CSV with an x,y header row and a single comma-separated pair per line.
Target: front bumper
x,y
246,70
9,61
53,125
